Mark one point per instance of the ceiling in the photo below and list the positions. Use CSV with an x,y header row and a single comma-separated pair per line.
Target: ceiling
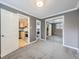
x,y
50,8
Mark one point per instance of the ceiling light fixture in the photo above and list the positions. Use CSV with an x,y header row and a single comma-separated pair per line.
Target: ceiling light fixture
x,y
39,3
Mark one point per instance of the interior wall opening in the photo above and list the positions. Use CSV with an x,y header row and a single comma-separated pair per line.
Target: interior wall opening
x,y
55,29
23,31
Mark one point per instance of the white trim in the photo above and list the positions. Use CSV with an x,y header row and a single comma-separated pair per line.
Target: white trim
x,y
33,42
54,18
40,30
28,30
63,30
45,30
28,18
71,47
36,28
42,39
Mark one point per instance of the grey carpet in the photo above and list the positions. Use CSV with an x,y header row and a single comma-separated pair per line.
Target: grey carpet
x,y
43,50
55,38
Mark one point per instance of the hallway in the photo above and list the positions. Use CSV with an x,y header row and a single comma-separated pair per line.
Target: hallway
x,y
43,50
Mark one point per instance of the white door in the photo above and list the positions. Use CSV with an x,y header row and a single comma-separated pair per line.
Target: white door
x,y
9,32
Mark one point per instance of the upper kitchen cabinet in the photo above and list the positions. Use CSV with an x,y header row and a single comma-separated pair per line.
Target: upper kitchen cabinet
x,y
23,23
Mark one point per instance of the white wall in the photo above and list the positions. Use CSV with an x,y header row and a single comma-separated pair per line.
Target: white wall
x,y
50,30
71,29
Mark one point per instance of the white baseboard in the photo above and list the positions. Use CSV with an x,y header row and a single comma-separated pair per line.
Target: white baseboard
x,y
42,39
34,41
71,47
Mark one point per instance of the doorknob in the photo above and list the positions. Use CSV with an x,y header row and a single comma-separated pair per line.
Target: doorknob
x,y
2,35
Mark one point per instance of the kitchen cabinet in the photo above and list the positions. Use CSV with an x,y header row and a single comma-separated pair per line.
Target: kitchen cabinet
x,y
23,23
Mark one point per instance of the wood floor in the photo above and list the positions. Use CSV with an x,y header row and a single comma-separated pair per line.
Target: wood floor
x,y
22,43
44,50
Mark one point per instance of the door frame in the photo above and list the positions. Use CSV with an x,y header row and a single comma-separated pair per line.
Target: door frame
x,y
27,17
52,19
36,28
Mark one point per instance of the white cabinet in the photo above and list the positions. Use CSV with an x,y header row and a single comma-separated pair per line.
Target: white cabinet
x,y
9,32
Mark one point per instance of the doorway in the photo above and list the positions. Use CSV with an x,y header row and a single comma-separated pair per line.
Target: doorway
x,y
54,29
24,31
38,29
